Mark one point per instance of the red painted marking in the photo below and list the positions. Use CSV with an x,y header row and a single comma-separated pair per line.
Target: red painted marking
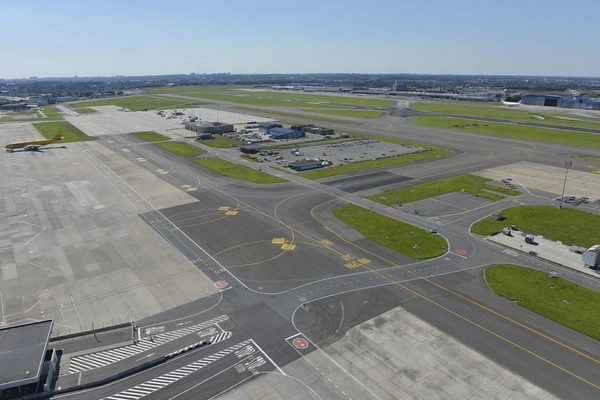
x,y
461,252
220,284
300,343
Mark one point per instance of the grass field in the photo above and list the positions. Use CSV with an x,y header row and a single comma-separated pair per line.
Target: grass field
x,y
350,113
435,151
568,138
86,110
303,116
194,89
500,112
557,299
150,136
349,100
50,112
466,182
32,115
238,171
255,101
587,158
70,132
399,236
219,142
182,149
137,103
570,226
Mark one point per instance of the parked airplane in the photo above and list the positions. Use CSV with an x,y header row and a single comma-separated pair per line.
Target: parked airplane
x,y
511,103
34,144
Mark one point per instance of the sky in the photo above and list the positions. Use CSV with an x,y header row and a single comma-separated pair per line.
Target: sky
x,y
63,38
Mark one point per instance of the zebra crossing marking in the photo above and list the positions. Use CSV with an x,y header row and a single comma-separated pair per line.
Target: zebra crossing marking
x,y
151,386
103,358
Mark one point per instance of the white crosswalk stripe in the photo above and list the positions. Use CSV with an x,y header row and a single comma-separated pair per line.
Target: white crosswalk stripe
x,y
155,384
107,357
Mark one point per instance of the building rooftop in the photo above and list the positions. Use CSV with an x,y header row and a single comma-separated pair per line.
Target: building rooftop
x,y
22,352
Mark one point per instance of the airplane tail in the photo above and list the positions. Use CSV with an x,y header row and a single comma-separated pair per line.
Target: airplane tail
x,y
58,136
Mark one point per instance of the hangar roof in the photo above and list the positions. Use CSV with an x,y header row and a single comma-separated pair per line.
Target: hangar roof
x,y
22,352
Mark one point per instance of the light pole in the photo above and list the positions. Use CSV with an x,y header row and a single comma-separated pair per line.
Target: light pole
x,y
567,164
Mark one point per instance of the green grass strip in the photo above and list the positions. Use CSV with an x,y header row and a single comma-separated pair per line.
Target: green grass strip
x,y
303,116
238,171
150,136
562,301
70,132
219,142
467,183
396,235
182,149
138,103
570,226
350,113
349,100
501,112
569,138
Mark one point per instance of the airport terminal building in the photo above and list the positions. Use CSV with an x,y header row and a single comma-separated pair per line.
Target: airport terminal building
x,y
214,128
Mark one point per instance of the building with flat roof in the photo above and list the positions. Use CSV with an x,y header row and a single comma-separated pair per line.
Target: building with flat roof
x,y
250,148
23,351
266,126
282,133
305,164
214,128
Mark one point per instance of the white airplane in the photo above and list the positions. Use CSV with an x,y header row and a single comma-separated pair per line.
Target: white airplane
x,y
511,103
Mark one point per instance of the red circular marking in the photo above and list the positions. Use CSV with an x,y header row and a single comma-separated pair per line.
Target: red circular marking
x,y
461,252
300,343
221,284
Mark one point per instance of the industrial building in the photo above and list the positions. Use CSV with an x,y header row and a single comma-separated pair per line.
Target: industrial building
x,y
266,126
560,101
208,127
282,133
250,148
319,130
305,164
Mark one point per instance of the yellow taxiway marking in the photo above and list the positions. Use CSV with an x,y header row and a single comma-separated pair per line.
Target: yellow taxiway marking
x,y
231,212
186,186
278,241
288,247
326,242
141,159
190,189
223,208
347,257
126,150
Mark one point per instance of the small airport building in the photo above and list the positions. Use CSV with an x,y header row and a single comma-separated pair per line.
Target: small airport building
x,y
214,128
282,133
252,148
265,127
560,101
305,164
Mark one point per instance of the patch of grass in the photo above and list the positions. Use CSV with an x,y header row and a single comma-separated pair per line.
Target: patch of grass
x,y
399,236
303,116
194,89
569,138
562,301
570,226
500,112
182,149
85,110
255,101
350,113
238,171
350,100
466,182
435,151
137,102
150,136
50,112
587,158
219,142
70,132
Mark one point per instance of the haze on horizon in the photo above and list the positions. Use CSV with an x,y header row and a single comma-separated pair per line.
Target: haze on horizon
x,y
67,38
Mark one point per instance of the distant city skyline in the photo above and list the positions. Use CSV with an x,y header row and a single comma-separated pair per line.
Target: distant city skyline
x,y
137,38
